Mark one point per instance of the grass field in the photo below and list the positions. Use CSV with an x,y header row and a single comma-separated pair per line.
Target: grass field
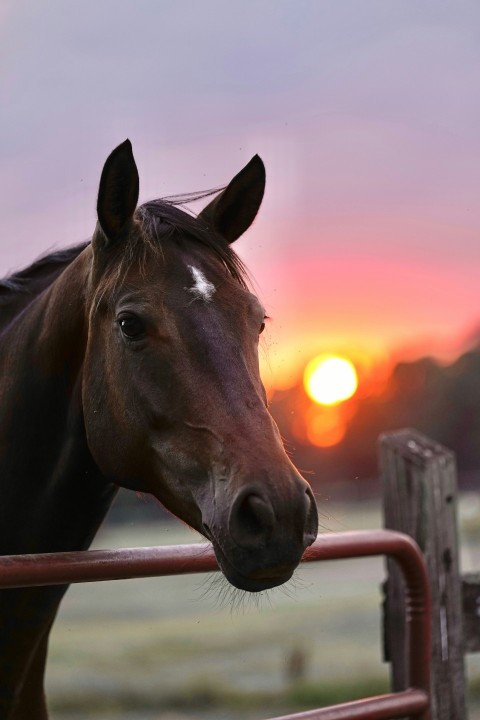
x,y
166,648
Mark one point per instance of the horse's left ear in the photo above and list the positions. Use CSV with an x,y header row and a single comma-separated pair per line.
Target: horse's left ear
x,y
118,191
234,210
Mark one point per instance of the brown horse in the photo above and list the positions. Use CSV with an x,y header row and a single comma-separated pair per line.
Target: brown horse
x,y
132,361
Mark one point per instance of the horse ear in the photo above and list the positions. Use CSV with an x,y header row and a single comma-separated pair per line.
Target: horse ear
x,y
118,191
234,210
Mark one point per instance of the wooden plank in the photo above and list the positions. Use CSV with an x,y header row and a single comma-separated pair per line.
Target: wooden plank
x,y
420,496
471,612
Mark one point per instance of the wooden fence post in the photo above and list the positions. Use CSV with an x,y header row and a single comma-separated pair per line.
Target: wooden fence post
x,y
420,497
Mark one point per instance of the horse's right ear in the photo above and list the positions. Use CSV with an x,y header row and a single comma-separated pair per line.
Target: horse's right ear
x,y
118,192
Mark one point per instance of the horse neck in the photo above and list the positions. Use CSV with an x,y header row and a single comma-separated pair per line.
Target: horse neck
x,y
50,483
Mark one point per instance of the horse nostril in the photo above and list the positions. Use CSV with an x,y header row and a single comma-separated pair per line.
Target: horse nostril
x,y
311,518
251,520
255,514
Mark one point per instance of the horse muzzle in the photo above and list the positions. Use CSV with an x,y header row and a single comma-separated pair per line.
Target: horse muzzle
x,y
259,541
263,578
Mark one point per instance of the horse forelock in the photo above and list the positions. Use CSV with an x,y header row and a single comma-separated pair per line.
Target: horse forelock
x,y
163,222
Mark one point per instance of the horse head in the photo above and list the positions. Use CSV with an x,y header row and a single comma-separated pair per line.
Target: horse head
x,y
172,397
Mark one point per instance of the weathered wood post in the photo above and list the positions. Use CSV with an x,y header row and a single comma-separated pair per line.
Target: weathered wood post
x,y
420,494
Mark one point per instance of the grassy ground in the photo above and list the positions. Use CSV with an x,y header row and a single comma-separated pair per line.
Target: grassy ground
x,y
166,648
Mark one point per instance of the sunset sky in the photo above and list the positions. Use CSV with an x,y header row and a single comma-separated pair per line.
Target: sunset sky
x,y
366,114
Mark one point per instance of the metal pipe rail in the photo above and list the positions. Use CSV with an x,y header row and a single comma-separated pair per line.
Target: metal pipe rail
x,y
98,565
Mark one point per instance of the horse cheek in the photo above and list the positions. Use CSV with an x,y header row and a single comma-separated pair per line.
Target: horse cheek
x,y
100,416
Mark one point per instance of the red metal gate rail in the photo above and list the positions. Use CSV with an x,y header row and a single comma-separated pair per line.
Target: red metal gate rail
x,y
96,565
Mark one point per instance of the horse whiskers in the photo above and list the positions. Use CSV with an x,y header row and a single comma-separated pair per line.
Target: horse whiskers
x,y
296,583
218,589
224,595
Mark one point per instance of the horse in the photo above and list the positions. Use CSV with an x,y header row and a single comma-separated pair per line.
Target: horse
x,y
132,361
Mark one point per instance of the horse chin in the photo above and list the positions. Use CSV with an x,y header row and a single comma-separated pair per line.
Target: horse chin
x,y
262,579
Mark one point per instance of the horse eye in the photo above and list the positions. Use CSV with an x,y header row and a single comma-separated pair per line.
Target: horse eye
x,y
131,326
262,328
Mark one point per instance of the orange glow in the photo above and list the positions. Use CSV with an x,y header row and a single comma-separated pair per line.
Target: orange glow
x,y
329,379
325,427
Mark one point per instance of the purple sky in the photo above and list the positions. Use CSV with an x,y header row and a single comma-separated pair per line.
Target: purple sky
x,y
367,115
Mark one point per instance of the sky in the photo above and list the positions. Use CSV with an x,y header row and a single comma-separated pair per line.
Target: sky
x,y
367,117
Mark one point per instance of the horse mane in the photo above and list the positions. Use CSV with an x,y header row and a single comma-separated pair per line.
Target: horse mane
x,y
24,285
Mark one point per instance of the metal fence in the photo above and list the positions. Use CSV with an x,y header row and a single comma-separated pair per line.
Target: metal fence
x,y
98,565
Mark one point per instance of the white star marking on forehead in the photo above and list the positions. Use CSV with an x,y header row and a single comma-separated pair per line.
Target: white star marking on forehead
x,y
202,288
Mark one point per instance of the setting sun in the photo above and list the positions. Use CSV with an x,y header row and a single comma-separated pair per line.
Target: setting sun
x,y
329,379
